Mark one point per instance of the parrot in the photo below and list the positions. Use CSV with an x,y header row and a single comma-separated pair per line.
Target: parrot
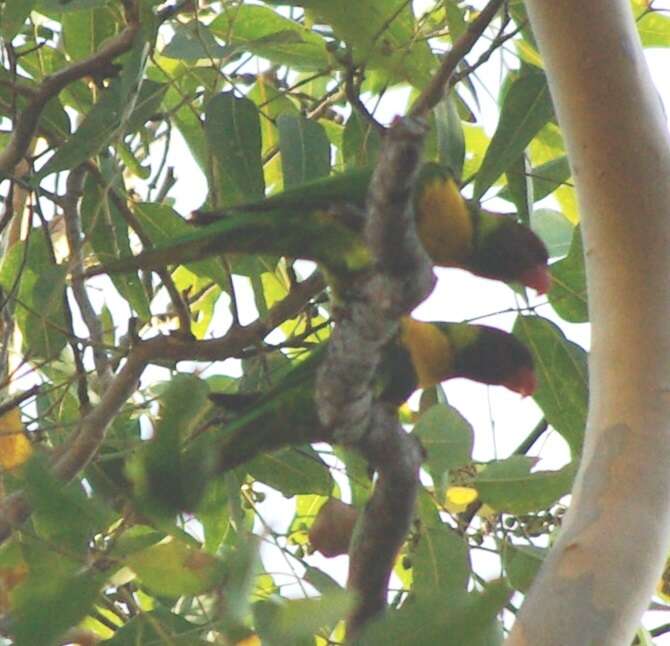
x,y
422,355
300,222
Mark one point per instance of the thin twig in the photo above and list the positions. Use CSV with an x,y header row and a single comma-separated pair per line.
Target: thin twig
x,y
26,122
82,446
74,190
432,94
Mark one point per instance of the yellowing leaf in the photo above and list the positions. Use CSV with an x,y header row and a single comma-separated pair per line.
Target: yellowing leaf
x,y
174,568
15,448
252,640
460,496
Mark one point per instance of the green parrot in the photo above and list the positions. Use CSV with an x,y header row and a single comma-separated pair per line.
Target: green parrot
x,y
423,355
301,223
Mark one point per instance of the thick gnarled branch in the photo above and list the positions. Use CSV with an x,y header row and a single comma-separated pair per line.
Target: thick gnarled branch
x,y
365,322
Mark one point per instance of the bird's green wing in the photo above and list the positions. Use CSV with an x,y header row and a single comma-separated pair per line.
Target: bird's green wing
x,y
319,237
348,187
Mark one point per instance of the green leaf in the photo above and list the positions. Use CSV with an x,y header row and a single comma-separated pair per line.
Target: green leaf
x,y
157,626
163,224
448,439
58,6
39,285
272,103
14,15
654,29
520,189
554,229
193,41
526,108
174,569
281,622
561,368
522,563
107,232
233,134
49,602
304,148
167,478
85,31
471,619
441,562
62,513
293,471
568,294
382,35
450,135
509,486
147,104
243,567
263,32
213,514
323,582
361,142
546,178
106,119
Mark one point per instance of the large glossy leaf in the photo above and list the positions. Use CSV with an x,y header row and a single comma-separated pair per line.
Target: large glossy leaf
x,y
107,232
175,568
156,626
107,118
470,620
654,29
383,36
293,471
147,104
519,189
554,229
233,135
561,369
85,31
50,601
568,295
545,178
521,564
448,439
62,512
441,562
304,148
262,31
360,142
14,14
509,486
193,41
29,272
526,108
167,478
280,621
450,135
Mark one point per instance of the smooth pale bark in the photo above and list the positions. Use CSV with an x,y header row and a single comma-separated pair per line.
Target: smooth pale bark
x,y
600,575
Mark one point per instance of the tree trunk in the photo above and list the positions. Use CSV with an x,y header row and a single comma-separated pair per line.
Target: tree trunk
x,y
598,578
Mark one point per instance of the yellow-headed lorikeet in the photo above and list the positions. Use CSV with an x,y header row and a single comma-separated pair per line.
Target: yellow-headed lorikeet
x,y
300,222
424,354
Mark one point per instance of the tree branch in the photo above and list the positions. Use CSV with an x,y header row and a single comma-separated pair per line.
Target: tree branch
x,y
26,122
598,578
84,443
366,321
433,92
73,194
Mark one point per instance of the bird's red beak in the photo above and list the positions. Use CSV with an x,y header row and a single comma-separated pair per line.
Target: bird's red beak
x,y
523,382
538,278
